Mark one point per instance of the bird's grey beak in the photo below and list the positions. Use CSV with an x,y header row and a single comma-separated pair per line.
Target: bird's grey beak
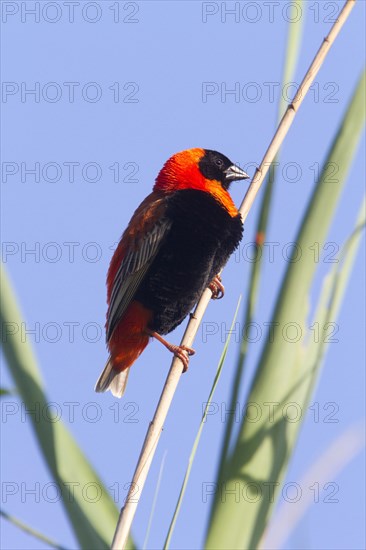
x,y
235,173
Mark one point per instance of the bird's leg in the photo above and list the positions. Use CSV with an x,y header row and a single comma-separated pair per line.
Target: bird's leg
x,y
217,288
183,352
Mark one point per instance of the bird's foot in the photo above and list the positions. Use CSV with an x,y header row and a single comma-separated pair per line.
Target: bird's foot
x,y
183,352
217,288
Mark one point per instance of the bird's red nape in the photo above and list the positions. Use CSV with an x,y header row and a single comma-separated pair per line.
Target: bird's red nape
x,y
182,171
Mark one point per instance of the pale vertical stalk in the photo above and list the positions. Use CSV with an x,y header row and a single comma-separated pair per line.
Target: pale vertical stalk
x,y
152,437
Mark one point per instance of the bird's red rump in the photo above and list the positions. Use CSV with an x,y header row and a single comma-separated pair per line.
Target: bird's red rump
x,y
130,339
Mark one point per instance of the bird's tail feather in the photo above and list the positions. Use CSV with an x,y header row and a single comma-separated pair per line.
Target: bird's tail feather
x,y
112,380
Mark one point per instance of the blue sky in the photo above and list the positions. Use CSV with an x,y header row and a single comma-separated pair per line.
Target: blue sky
x,y
118,88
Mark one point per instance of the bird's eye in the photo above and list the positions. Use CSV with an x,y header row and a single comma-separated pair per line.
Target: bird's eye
x,y
219,162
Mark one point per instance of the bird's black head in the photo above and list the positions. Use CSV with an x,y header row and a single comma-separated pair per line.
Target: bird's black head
x,y
215,166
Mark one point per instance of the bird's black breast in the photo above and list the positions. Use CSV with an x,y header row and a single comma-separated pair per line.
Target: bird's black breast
x,y
202,237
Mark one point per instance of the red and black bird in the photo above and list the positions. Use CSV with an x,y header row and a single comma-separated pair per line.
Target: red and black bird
x,y
176,243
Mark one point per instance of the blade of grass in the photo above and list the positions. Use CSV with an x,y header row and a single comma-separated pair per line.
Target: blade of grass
x,y
31,531
350,442
199,433
328,466
263,448
144,546
93,522
333,290
291,58
4,391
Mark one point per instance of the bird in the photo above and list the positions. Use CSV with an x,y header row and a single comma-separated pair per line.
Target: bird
x,y
173,248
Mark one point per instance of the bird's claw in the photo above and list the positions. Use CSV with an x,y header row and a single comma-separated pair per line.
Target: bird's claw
x,y
217,288
183,353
